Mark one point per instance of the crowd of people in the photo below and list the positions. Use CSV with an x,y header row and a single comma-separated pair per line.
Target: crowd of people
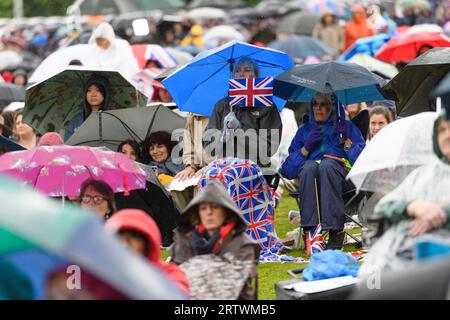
x,y
211,218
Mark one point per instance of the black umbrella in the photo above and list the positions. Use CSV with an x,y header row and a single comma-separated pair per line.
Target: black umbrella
x,y
216,4
10,92
110,128
350,82
413,86
7,145
443,91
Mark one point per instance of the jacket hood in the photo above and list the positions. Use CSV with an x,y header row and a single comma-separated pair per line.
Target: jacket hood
x,y
213,192
138,220
104,86
335,104
436,148
104,30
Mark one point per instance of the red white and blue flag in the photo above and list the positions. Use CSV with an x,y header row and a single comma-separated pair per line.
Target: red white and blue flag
x,y
251,92
314,240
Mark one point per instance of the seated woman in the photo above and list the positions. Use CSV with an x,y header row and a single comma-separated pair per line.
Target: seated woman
x,y
98,195
157,151
131,149
24,134
419,205
379,117
97,97
212,224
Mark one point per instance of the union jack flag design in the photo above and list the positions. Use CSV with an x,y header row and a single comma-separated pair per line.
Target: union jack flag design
x,y
314,240
251,92
245,183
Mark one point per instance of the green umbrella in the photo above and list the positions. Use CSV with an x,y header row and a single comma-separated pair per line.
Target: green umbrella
x,y
374,64
52,103
411,4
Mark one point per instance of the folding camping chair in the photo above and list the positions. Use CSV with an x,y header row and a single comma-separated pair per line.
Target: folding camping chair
x,y
354,203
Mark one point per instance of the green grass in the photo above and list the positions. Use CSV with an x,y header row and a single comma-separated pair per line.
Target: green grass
x,y
271,273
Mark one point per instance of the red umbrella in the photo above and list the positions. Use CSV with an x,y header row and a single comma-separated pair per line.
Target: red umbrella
x,y
407,46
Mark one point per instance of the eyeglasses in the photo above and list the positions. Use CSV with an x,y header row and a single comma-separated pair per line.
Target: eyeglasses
x,y
95,199
322,104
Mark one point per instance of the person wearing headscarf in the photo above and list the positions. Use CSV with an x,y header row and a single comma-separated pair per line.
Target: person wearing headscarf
x,y
50,139
375,20
232,121
212,224
97,96
111,53
321,154
357,27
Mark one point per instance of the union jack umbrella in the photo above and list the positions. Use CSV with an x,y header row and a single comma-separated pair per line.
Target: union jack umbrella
x,y
251,92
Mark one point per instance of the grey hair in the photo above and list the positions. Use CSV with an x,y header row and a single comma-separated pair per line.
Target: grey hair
x,y
246,61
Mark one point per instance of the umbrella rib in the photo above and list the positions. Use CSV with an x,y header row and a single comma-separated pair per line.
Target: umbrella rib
x,y
127,128
215,72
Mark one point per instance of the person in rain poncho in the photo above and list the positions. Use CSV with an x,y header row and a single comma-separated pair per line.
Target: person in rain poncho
x,y
376,20
230,119
423,196
357,27
97,96
111,53
419,208
322,150
212,224
137,229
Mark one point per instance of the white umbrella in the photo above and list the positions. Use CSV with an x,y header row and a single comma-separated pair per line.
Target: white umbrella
x,y
394,152
59,61
182,57
10,59
225,33
426,27
207,13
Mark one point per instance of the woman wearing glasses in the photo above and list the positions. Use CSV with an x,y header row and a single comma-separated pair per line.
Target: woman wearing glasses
x,y
98,195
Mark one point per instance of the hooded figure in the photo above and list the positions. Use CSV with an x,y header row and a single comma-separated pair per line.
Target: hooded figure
x,y
357,27
111,53
323,150
417,210
102,84
329,31
191,237
233,120
141,223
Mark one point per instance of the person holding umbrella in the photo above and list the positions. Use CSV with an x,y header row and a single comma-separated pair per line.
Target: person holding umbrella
x,y
97,97
321,161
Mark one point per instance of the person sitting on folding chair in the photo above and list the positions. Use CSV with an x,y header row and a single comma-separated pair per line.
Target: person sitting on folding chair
x,y
320,155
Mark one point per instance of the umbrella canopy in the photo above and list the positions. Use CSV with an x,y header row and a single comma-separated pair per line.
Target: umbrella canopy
x,y
374,65
60,170
72,235
10,92
301,23
426,27
411,88
218,34
394,152
406,47
10,59
216,4
8,145
367,45
110,128
301,47
413,4
320,6
59,60
216,278
197,86
52,103
114,7
145,52
207,13
350,82
182,57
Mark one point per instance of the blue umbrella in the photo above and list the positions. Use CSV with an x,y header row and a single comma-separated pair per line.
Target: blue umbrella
x,y
197,86
350,82
368,45
301,47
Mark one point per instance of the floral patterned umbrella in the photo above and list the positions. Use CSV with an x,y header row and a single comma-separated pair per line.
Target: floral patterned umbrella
x,y
52,103
60,170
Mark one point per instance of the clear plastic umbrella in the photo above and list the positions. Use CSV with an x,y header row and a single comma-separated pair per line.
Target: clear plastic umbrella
x,y
394,152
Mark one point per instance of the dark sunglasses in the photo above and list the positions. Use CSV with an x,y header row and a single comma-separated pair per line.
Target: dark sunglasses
x,y
322,104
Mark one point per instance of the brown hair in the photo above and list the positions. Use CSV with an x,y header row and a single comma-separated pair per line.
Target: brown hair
x,y
104,189
383,111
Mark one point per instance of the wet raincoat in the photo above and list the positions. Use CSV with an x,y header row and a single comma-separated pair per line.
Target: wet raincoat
x,y
357,27
236,242
139,221
330,144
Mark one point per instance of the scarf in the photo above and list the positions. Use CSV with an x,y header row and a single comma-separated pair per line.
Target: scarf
x,y
206,244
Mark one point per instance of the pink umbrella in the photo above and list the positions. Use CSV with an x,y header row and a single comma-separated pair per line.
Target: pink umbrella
x,y
60,170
